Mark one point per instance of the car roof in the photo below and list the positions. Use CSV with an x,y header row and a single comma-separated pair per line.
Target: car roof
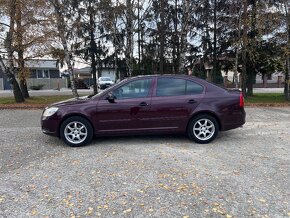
x,y
165,75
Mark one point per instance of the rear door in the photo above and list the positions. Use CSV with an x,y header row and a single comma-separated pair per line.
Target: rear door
x,y
173,101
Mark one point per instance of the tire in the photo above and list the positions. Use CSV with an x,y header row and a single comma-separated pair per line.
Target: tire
x,y
76,131
203,129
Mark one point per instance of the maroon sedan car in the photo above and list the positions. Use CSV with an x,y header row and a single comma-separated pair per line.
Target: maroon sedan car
x,y
147,105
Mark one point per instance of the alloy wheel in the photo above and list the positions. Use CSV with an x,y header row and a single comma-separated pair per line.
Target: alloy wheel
x,y
203,129
75,132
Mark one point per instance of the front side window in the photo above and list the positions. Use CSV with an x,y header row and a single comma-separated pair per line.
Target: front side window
x,y
134,89
177,87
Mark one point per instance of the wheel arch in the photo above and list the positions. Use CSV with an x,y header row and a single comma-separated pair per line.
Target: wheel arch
x,y
207,113
73,115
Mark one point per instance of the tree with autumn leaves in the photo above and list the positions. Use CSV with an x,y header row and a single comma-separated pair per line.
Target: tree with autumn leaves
x,y
29,34
148,36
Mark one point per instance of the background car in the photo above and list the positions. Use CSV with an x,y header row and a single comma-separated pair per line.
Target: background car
x,y
148,105
104,82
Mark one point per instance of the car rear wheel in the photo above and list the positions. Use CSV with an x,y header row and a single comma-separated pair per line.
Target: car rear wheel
x,y
203,129
76,131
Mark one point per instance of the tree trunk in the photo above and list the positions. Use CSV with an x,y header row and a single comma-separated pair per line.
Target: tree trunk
x,y
236,69
252,72
139,40
214,70
93,52
130,46
23,88
236,82
175,40
62,32
265,79
245,47
183,38
162,37
9,72
116,50
287,81
20,51
250,78
10,75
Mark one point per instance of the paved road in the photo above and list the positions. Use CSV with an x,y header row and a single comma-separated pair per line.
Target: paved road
x,y
9,93
243,173
50,92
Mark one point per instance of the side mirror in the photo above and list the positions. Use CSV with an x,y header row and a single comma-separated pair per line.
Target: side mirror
x,y
111,98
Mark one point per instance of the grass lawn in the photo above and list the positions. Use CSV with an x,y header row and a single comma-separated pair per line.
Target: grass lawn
x,y
36,100
267,98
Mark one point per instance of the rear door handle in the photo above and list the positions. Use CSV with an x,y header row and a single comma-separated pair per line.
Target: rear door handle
x,y
191,101
143,104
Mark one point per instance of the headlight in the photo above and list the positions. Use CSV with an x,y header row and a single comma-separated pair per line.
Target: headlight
x,y
50,111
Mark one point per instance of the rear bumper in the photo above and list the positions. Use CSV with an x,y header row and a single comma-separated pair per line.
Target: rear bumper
x,y
235,120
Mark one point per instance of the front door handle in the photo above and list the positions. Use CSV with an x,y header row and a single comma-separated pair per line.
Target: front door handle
x,y
143,104
191,101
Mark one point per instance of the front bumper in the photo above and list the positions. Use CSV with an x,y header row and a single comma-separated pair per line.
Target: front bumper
x,y
50,126
104,86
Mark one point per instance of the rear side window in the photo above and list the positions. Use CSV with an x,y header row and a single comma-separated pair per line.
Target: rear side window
x,y
176,87
170,87
193,88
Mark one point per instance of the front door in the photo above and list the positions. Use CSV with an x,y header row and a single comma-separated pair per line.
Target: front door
x,y
129,109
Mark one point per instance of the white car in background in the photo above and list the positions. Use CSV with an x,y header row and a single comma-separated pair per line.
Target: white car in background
x,y
104,82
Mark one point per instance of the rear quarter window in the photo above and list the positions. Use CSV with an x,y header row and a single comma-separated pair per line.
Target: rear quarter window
x,y
193,88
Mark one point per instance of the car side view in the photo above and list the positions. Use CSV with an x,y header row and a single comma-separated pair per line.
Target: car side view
x,y
155,104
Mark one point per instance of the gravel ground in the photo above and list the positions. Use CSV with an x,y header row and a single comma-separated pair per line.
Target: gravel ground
x,y
243,173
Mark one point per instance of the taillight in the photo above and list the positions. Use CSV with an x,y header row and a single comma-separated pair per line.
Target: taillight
x,y
242,102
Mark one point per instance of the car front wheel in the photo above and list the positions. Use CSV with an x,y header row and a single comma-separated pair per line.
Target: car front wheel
x,y
76,131
203,129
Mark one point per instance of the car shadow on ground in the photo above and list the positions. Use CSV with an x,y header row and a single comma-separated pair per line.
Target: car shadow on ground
x,y
176,140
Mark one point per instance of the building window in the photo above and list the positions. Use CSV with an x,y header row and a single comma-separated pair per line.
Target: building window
x,y
42,74
45,73
39,74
